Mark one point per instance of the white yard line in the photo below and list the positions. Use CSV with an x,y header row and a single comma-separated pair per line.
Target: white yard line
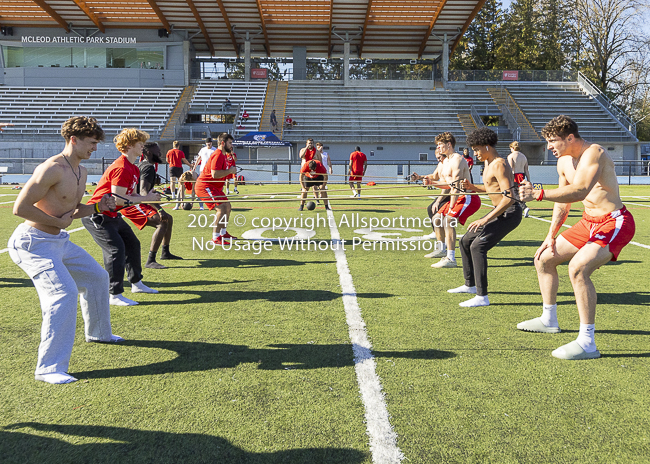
x,y
636,204
383,439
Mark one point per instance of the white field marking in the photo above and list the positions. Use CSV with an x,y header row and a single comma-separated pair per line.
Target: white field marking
x,y
272,196
383,439
636,204
70,231
7,202
636,196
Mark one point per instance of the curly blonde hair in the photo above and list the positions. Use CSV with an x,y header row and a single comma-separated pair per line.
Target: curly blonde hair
x,y
129,137
561,126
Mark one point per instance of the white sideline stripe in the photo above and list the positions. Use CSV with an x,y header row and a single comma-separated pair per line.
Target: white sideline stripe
x,y
636,204
70,231
383,439
7,202
564,225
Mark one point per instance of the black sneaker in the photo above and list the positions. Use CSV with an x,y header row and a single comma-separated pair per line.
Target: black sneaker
x,y
169,256
300,208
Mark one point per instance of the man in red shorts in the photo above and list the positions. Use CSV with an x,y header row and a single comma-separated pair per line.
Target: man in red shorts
x,y
587,174
152,215
231,161
519,165
358,166
209,188
313,174
176,159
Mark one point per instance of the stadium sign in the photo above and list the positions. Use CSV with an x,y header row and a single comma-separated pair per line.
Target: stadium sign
x,y
510,75
41,39
259,73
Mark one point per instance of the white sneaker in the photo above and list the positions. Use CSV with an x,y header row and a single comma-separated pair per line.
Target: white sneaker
x,y
227,192
463,289
437,254
353,196
175,208
445,262
120,300
236,192
476,302
139,287
201,208
526,212
431,235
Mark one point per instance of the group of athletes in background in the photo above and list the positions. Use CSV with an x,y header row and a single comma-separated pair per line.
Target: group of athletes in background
x,y
63,272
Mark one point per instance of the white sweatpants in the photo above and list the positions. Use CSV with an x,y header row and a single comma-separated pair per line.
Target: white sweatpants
x,y
60,271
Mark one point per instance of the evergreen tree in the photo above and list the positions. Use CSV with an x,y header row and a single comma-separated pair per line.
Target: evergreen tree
x,y
478,47
519,47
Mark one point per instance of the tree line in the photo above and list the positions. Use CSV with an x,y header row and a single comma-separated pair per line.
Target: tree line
x,y
606,40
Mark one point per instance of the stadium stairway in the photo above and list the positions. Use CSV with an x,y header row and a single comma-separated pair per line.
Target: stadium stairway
x,y
467,122
276,99
249,96
179,113
508,104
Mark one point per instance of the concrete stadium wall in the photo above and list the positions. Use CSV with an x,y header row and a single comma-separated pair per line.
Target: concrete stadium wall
x,y
176,72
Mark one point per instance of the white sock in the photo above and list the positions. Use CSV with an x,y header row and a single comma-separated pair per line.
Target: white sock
x,y
586,337
549,316
223,232
440,245
55,378
215,235
462,289
451,254
476,301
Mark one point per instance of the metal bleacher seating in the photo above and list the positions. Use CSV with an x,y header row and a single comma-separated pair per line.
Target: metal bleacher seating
x,y
40,111
543,101
329,111
245,96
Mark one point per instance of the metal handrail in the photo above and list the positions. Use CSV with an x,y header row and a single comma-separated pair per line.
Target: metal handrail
x,y
609,106
511,122
476,117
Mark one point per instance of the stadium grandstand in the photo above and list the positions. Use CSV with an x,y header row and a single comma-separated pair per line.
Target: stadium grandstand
x,y
168,68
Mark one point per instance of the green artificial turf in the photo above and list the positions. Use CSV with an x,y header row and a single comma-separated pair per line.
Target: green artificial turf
x,y
244,355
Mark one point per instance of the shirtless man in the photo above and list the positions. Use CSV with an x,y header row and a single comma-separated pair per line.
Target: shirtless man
x,y
459,208
482,235
587,174
60,269
519,165
456,209
431,180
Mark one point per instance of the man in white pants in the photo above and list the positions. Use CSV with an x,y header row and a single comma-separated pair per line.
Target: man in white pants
x,y
60,269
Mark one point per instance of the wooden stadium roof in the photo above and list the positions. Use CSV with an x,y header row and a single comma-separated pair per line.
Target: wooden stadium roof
x,y
377,28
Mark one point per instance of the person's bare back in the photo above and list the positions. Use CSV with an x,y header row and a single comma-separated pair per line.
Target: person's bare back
x,y
518,162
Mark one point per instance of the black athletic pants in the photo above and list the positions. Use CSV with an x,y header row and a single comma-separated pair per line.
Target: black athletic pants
x,y
120,248
431,210
475,245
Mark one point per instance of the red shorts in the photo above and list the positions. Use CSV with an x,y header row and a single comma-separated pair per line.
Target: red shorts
x,y
210,196
139,214
615,229
465,206
356,177
188,187
519,177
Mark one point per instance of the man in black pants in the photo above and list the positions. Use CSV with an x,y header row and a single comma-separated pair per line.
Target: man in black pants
x,y
484,234
152,215
120,247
